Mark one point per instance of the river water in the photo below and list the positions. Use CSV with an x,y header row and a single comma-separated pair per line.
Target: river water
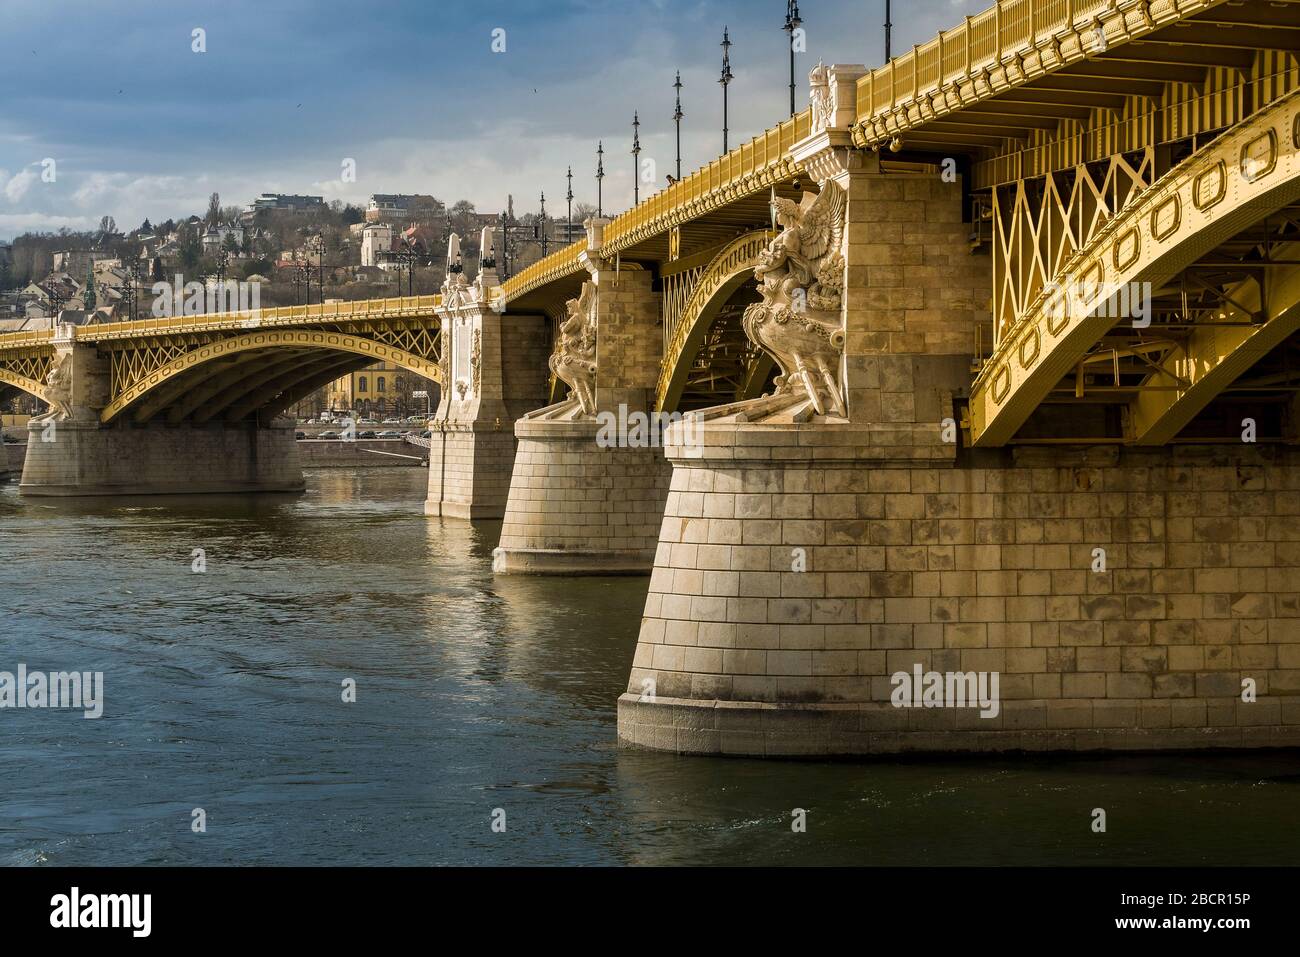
x,y
224,691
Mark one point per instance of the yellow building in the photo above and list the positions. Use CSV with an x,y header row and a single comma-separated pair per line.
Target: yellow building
x,y
381,390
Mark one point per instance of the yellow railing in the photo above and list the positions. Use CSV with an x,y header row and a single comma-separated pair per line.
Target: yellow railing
x,y
555,266
20,340
986,39
696,193
759,154
396,307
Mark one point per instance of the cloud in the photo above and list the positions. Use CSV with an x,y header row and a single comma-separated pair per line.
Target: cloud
x,y
17,187
12,224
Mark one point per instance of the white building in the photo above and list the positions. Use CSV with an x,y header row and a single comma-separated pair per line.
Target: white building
x,y
215,237
376,242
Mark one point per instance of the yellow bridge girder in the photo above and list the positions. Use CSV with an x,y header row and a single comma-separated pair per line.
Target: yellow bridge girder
x,y
1213,357
244,348
729,269
1249,172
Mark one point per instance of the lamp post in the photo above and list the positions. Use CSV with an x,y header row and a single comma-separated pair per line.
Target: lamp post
x,y
504,219
542,227
320,264
600,175
568,222
677,120
223,258
792,23
406,258
889,26
636,159
725,80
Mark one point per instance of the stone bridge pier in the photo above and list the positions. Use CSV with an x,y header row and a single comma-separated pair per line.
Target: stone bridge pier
x,y
821,542
494,369
70,451
590,479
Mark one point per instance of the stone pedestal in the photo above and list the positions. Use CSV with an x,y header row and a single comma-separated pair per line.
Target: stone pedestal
x,y
800,569
77,457
494,370
469,469
587,492
576,507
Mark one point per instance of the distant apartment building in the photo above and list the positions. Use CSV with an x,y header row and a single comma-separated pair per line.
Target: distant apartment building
x,y
76,262
291,202
376,243
400,207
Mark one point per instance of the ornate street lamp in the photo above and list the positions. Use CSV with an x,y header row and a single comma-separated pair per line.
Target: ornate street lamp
x,y
636,159
889,26
792,23
677,119
568,196
725,80
600,175
543,225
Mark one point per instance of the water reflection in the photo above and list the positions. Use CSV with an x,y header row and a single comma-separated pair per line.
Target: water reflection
x,y
474,692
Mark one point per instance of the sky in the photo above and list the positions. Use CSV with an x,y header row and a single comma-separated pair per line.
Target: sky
x,y
138,123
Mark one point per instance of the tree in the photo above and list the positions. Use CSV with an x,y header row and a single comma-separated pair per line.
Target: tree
x,y
214,209
191,250
230,244
107,226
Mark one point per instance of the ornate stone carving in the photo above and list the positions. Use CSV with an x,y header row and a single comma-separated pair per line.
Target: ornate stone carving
x,y
821,98
574,359
801,280
475,360
58,390
455,288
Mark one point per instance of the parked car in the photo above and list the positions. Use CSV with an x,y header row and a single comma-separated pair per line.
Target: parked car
x,y
300,435
392,421
367,421
426,434
416,419
390,434
328,434
368,434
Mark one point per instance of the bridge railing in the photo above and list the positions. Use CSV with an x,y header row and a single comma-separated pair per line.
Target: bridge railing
x,y
23,339
695,192
964,51
760,153
341,311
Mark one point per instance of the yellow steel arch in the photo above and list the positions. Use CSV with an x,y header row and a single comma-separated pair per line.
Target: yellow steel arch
x,y
1244,175
293,338
1213,357
30,386
726,273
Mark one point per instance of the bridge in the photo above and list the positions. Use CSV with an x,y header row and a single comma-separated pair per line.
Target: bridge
x,y
985,362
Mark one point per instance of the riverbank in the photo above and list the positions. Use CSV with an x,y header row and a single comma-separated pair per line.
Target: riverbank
x,y
315,454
